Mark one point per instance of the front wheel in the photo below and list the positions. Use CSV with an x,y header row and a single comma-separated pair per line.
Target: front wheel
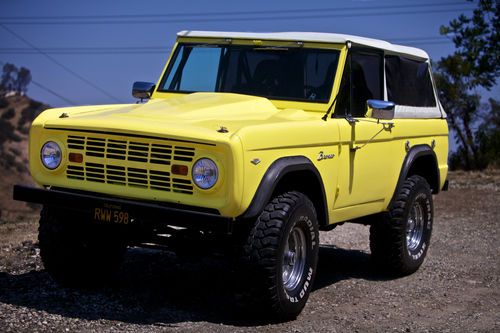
x,y
399,242
281,254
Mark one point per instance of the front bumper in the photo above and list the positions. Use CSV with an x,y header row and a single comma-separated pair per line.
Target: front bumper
x,y
142,212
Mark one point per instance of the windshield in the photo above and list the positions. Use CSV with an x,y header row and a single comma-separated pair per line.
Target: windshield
x,y
302,74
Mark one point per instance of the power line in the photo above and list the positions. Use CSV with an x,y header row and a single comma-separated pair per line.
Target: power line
x,y
239,19
105,50
427,43
231,13
87,53
89,50
52,59
134,48
410,43
417,41
163,48
406,39
41,86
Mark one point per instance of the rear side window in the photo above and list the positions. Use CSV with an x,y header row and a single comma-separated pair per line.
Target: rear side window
x,y
408,82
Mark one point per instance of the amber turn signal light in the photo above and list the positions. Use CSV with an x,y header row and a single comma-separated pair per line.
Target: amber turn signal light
x,y
75,157
179,170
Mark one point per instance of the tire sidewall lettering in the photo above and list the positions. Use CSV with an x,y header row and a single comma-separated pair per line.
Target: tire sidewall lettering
x,y
417,255
302,290
284,242
309,223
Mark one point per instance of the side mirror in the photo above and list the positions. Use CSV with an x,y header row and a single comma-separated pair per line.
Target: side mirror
x,y
143,90
380,109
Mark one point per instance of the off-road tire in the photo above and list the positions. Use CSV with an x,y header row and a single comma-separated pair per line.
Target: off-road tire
x,y
76,253
288,215
391,251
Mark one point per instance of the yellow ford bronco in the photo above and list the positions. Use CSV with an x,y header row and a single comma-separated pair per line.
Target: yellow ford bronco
x,y
258,140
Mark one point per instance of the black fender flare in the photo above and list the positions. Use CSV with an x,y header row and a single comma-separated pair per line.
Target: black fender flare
x,y
276,171
413,154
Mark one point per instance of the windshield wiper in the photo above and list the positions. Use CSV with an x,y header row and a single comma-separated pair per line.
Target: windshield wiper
x,y
325,117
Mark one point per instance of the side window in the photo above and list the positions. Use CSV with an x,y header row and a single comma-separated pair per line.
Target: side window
x,y
409,82
367,83
367,80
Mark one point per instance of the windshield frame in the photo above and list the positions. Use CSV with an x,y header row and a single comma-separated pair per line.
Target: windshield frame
x,y
322,47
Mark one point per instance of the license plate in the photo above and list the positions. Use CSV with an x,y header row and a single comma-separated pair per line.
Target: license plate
x,y
111,214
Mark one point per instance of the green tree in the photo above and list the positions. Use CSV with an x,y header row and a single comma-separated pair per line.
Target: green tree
x,y
23,80
475,64
489,135
14,79
9,76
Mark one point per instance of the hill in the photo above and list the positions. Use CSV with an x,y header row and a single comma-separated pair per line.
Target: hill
x,y
16,114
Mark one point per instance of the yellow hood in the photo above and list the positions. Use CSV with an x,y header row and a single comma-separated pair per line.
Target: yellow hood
x,y
197,115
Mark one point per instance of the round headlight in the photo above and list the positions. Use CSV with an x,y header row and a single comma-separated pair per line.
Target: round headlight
x,y
51,155
205,173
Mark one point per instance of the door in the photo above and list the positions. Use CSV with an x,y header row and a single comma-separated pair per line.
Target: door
x,y
365,142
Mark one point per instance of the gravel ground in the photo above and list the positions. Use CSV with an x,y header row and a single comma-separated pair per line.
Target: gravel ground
x,y
456,289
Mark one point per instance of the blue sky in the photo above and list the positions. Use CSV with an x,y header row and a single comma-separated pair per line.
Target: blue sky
x,y
132,41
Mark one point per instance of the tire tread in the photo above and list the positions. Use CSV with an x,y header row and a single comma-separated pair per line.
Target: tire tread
x,y
260,253
386,242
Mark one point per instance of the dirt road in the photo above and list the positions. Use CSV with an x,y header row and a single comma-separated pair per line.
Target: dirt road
x,y
456,290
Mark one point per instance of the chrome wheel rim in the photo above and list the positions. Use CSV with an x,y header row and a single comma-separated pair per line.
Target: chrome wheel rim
x,y
415,226
294,258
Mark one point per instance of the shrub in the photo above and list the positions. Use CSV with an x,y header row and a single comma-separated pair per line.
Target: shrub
x,y
8,114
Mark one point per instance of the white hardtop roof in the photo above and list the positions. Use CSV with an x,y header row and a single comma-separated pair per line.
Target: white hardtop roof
x,y
310,37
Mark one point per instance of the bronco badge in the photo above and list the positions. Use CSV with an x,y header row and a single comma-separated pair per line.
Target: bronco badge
x,y
323,156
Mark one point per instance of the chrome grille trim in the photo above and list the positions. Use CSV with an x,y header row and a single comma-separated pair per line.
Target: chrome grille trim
x,y
127,162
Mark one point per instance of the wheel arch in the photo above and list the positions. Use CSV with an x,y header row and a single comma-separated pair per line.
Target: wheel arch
x,y
292,173
420,160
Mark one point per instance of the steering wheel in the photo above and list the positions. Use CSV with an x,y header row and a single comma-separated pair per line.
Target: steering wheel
x,y
310,92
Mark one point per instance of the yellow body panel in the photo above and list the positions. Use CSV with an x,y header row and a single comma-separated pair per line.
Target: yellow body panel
x,y
359,180
369,174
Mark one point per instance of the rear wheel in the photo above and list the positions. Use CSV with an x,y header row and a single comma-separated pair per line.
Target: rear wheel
x,y
399,242
78,254
281,254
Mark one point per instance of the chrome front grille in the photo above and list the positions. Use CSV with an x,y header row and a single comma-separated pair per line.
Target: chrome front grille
x,y
128,162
